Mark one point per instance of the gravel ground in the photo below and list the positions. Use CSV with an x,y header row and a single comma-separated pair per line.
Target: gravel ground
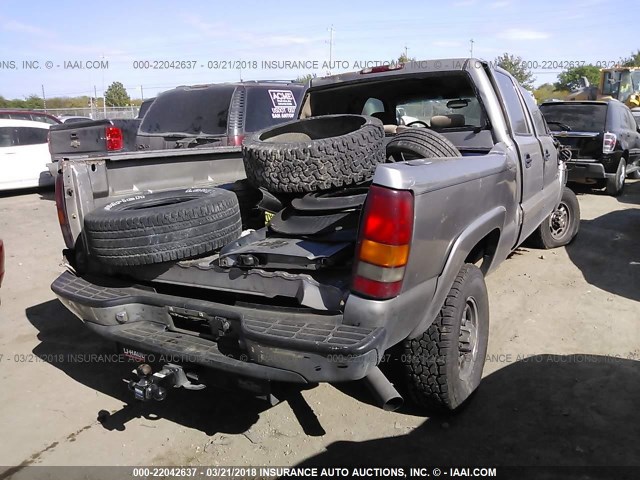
x,y
561,386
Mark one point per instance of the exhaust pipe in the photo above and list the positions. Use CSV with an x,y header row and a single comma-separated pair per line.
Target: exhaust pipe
x,y
386,396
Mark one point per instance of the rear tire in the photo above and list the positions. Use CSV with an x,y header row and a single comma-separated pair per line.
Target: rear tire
x,y
444,365
615,185
561,227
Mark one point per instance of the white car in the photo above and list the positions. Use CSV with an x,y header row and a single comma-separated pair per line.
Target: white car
x,y
24,154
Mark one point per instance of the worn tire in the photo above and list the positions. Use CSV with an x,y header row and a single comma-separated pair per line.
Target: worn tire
x,y
615,185
561,227
163,226
434,376
420,143
317,153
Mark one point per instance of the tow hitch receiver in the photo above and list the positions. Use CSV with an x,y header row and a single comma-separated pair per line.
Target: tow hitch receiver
x,y
153,386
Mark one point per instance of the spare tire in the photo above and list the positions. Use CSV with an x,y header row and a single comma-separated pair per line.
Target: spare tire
x,y
419,143
317,153
163,226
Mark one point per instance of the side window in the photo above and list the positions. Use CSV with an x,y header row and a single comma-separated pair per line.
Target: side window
x,y
372,105
538,120
514,107
43,118
31,136
7,137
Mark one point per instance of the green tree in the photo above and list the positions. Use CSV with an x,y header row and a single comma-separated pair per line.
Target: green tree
x,y
570,78
516,67
404,58
633,60
547,91
305,78
117,96
33,101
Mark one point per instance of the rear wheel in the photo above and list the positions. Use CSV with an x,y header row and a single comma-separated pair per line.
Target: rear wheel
x,y
615,185
444,365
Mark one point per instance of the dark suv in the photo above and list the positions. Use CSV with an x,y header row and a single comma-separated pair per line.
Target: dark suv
x,y
219,113
604,139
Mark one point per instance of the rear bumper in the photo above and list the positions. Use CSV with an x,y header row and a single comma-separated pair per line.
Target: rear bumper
x,y
260,343
580,171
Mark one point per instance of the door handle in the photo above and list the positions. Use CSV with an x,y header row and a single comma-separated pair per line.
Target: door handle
x,y
547,155
527,160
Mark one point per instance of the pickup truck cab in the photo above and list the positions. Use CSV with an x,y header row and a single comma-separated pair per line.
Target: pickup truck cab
x,y
184,117
339,277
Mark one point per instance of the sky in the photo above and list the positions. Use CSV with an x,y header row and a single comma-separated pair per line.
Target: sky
x,y
42,45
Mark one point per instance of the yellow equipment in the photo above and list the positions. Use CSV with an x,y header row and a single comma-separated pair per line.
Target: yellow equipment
x,y
621,83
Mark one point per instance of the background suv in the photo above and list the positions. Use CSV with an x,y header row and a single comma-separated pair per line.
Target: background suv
x,y
221,114
604,139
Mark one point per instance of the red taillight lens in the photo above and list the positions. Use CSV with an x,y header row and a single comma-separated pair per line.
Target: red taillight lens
x,y
609,143
235,141
63,219
114,138
383,243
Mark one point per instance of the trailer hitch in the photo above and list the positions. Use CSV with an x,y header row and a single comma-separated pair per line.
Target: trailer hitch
x,y
153,386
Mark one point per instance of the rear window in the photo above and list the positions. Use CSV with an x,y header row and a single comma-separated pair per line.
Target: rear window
x,y
578,117
192,111
270,106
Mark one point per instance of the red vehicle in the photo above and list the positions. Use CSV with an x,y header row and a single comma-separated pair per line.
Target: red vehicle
x,y
34,116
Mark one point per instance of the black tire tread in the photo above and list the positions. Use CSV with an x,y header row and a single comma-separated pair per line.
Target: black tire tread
x,y
540,238
168,233
423,142
321,164
426,357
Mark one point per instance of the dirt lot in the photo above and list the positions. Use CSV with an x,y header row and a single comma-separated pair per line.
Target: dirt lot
x,y
561,387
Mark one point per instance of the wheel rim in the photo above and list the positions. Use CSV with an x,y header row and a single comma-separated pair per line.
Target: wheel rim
x,y
468,340
559,221
622,173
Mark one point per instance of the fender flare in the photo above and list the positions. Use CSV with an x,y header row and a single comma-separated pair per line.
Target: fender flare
x,y
469,238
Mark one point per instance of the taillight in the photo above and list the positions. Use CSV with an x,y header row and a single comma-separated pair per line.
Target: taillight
x,y
383,243
63,219
235,140
609,143
49,142
114,138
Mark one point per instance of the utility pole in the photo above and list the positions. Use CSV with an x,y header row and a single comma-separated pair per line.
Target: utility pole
x,y
141,93
406,52
471,49
44,99
95,95
330,49
104,94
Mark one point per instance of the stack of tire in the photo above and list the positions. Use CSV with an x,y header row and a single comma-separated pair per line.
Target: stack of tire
x,y
331,152
326,158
